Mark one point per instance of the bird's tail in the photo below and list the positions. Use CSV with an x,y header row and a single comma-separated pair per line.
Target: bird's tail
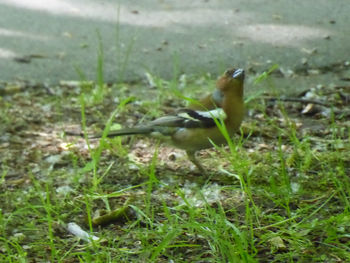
x,y
126,131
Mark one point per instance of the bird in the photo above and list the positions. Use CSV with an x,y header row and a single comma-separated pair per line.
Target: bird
x,y
196,127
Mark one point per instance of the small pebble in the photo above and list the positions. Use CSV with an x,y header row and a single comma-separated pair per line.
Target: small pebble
x,y
304,61
313,72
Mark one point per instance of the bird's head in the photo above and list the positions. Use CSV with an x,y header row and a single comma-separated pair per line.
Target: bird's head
x,y
232,81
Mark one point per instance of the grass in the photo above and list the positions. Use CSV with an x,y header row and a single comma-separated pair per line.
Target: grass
x,y
279,192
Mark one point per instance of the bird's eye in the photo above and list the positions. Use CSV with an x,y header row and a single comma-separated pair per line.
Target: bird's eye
x,y
229,72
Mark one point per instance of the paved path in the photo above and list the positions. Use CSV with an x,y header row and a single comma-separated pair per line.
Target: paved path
x,y
46,40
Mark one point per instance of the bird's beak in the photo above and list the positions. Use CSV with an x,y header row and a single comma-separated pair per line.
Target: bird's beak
x,y
238,74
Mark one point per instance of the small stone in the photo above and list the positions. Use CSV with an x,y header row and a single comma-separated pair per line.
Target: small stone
x,y
67,34
276,16
304,61
309,107
313,72
308,51
277,243
286,72
64,190
284,147
133,167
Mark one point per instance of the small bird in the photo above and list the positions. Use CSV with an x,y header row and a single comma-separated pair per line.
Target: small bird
x,y
195,128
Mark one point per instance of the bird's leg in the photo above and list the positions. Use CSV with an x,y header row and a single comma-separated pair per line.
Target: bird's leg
x,y
192,157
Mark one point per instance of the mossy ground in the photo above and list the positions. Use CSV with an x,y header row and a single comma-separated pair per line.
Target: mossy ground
x,y
279,194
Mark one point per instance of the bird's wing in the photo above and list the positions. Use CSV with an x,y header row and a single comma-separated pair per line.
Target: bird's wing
x,y
187,118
